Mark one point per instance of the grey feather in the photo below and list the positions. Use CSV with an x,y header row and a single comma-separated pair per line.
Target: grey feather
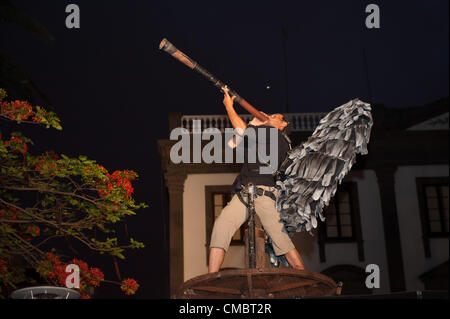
x,y
319,164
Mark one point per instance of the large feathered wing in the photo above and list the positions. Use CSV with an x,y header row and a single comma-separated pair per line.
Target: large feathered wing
x,y
315,168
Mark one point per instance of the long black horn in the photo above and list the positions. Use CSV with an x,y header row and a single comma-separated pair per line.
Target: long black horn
x,y
165,45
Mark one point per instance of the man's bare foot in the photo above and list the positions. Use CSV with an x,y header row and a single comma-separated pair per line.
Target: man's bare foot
x,y
216,256
294,259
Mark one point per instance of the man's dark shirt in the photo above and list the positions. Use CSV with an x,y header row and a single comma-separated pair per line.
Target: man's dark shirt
x,y
250,171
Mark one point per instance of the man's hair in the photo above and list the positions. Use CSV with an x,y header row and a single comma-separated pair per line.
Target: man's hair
x,y
288,129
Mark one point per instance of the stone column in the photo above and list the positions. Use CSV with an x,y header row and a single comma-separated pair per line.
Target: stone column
x,y
175,186
386,184
174,120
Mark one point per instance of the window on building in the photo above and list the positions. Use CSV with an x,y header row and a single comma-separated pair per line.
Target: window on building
x,y
339,224
342,220
436,199
433,204
219,201
216,198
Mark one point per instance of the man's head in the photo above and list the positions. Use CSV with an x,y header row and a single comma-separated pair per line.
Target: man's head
x,y
277,120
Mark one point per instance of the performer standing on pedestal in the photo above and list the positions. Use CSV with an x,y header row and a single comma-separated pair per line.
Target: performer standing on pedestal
x,y
235,213
306,179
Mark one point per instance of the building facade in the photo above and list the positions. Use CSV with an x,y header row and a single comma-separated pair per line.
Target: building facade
x,y
390,211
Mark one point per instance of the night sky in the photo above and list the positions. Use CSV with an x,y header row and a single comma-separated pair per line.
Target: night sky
x,y
113,88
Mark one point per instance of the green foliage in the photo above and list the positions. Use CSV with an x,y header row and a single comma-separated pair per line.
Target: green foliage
x,y
47,197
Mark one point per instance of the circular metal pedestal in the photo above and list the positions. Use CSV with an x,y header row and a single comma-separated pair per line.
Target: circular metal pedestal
x,y
258,283
45,292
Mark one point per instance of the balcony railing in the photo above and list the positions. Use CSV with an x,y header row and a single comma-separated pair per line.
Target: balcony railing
x,y
301,122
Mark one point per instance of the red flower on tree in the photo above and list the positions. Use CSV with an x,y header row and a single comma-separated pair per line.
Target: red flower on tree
x,y
16,110
52,268
3,267
129,286
45,198
34,230
17,145
118,179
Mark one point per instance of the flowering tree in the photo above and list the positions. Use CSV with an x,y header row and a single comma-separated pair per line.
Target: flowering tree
x,y
49,197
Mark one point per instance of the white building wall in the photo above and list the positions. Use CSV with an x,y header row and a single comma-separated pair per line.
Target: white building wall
x,y
194,227
408,210
372,233
415,263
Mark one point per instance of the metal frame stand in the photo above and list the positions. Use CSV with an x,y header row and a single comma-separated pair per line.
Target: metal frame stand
x,y
251,191
253,282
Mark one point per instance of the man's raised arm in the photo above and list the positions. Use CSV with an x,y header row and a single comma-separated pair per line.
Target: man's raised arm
x,y
235,119
238,123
